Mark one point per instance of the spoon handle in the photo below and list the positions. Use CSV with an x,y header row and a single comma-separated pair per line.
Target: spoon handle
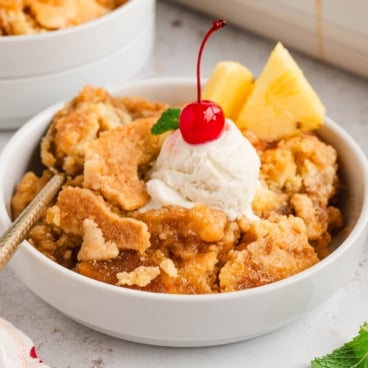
x,y
17,231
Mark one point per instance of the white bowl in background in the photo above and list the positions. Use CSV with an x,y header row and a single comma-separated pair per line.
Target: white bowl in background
x,y
21,98
185,320
50,52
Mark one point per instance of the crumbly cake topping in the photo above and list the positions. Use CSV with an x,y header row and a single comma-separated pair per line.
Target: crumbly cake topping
x,y
74,205
94,246
168,266
273,249
141,276
131,146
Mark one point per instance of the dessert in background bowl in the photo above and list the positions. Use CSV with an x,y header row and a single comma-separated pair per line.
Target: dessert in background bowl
x,y
109,49
22,17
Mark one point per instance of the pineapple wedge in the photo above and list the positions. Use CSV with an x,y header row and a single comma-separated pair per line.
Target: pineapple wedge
x,y
282,102
229,85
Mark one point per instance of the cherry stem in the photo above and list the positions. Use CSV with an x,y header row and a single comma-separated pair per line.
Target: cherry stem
x,y
217,24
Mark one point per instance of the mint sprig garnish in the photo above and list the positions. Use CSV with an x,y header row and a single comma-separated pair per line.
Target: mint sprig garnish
x,y
169,120
353,354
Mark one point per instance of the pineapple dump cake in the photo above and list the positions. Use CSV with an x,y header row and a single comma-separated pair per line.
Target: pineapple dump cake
x,y
20,17
107,222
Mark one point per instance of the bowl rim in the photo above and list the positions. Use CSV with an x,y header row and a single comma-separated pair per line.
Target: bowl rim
x,y
95,63
44,116
100,21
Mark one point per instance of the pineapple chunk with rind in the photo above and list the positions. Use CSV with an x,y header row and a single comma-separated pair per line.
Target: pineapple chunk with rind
x,y
282,102
229,85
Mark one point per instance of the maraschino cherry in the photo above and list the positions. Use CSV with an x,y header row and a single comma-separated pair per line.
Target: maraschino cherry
x,y
202,121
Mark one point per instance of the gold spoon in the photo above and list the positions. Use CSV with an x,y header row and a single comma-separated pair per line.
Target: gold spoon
x,y
18,230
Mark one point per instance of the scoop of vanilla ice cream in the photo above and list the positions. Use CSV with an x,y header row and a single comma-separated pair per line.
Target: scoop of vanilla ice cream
x,y
222,173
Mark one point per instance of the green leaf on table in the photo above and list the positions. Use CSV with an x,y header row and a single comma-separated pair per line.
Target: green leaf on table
x,y
169,120
353,354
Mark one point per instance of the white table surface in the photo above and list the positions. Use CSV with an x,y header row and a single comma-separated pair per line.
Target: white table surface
x,y
63,343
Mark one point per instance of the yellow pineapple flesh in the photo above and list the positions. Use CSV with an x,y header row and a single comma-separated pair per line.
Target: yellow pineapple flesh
x,y
282,102
229,85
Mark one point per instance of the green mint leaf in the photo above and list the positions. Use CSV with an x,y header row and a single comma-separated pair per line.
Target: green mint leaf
x,y
169,120
353,354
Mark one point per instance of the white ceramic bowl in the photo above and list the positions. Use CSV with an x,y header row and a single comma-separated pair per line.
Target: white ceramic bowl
x,y
50,52
39,70
186,320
